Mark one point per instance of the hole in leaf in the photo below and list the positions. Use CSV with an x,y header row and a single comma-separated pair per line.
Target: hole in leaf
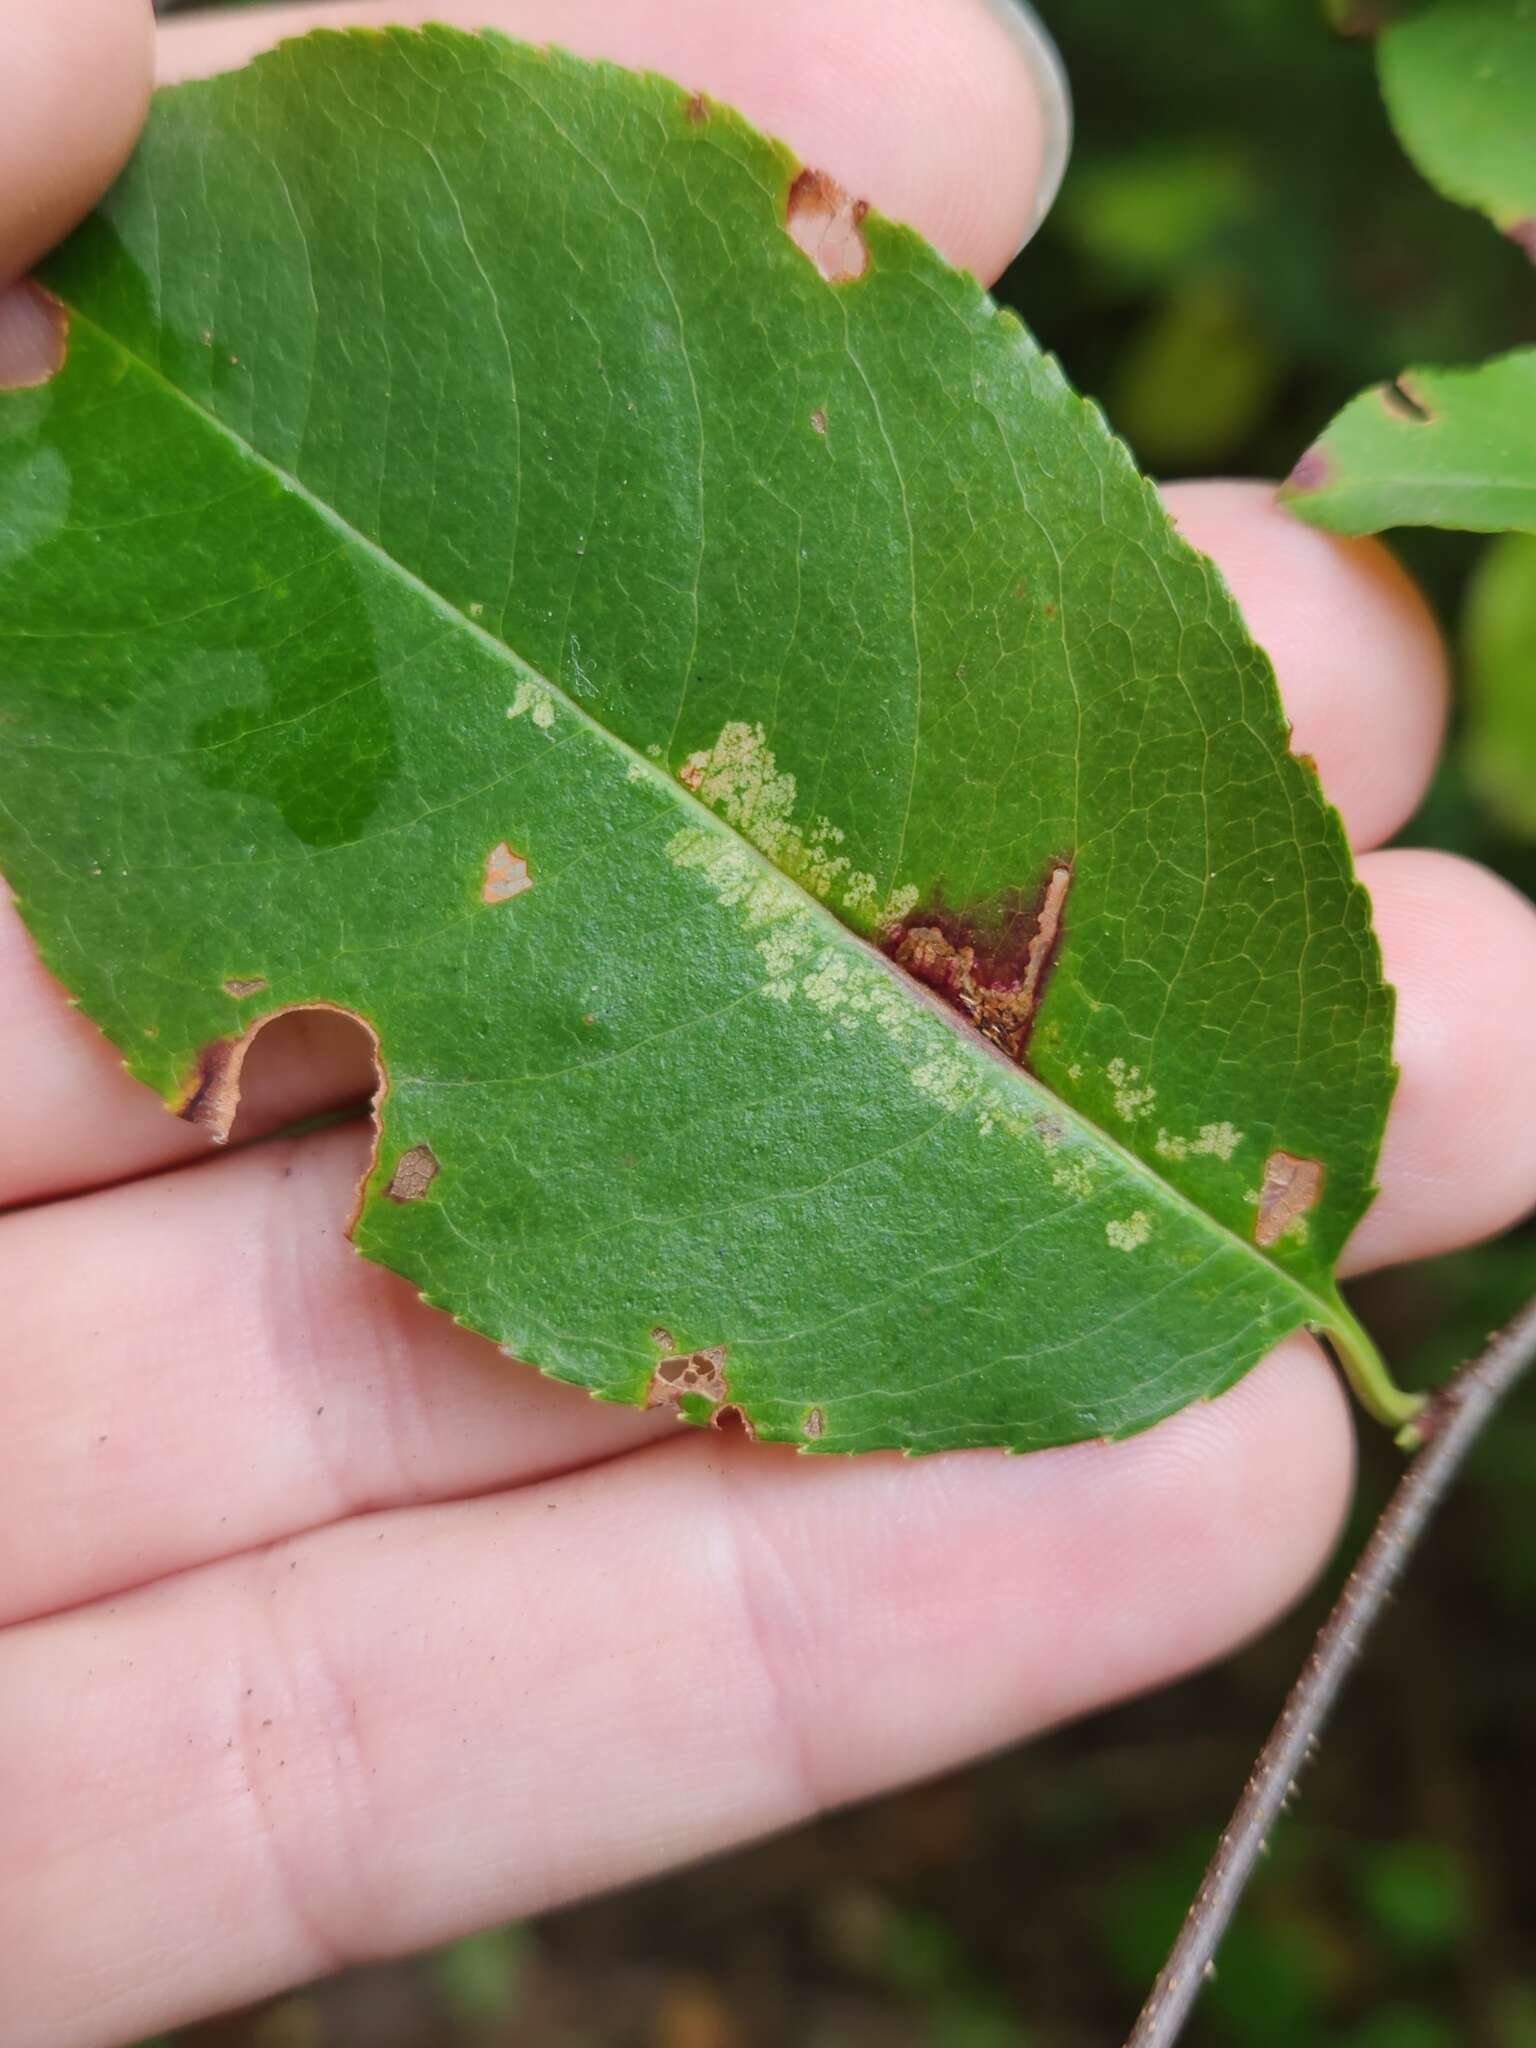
x,y
313,1059
34,336
824,221
414,1173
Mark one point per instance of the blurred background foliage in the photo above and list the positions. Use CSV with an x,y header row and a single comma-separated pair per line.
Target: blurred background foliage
x,y
1239,246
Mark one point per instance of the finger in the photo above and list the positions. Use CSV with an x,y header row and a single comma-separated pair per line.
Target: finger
x,y
1359,661
408,1726
250,1343
73,88
201,1363
72,97
949,114
1459,1159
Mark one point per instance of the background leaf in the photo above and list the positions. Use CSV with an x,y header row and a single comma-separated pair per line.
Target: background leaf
x,y
1450,448
1459,80
507,592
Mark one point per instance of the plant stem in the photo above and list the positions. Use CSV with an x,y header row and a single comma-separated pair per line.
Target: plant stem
x,y
1442,1435
1366,1371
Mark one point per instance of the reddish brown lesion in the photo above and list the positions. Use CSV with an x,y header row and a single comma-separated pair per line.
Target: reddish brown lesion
x,y
994,971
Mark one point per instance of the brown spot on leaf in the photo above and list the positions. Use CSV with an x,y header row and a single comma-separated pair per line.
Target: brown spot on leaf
x,y
696,108
1311,473
825,222
414,1173
1290,1188
819,420
1404,403
34,337
239,986
663,1338
506,875
1523,235
813,1424
693,1372
993,971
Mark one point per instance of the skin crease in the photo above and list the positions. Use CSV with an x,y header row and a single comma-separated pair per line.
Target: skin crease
x,y
325,1634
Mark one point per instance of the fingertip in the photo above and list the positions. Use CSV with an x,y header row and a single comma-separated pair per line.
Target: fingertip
x,y
1458,1161
75,87
951,115
1357,654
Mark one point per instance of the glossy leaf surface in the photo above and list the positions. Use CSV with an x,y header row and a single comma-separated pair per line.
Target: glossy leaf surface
x,y
512,556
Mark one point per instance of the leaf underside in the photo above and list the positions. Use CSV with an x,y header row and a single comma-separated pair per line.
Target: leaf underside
x,y
511,556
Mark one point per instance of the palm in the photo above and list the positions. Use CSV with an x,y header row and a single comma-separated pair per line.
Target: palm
x,y
328,1633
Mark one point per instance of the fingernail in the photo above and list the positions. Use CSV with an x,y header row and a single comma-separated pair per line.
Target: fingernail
x,y
33,333
1054,96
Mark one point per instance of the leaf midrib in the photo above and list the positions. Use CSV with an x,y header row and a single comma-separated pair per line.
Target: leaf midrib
x,y
1329,1314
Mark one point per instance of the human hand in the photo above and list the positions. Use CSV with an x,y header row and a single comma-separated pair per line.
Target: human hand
x,y
324,1632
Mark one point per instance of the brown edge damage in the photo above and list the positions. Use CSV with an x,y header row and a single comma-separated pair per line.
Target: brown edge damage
x,y
212,1097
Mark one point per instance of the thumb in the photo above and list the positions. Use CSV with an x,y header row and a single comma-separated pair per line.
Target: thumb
x,y
74,83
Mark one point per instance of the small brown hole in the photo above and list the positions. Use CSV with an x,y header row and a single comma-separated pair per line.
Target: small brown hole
x,y
825,223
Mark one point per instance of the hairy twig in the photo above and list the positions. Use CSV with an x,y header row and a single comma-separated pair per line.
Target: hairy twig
x,y
1442,1435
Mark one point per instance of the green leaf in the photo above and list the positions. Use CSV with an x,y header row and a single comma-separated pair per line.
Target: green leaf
x,y
476,570
1437,448
1459,80
1499,678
